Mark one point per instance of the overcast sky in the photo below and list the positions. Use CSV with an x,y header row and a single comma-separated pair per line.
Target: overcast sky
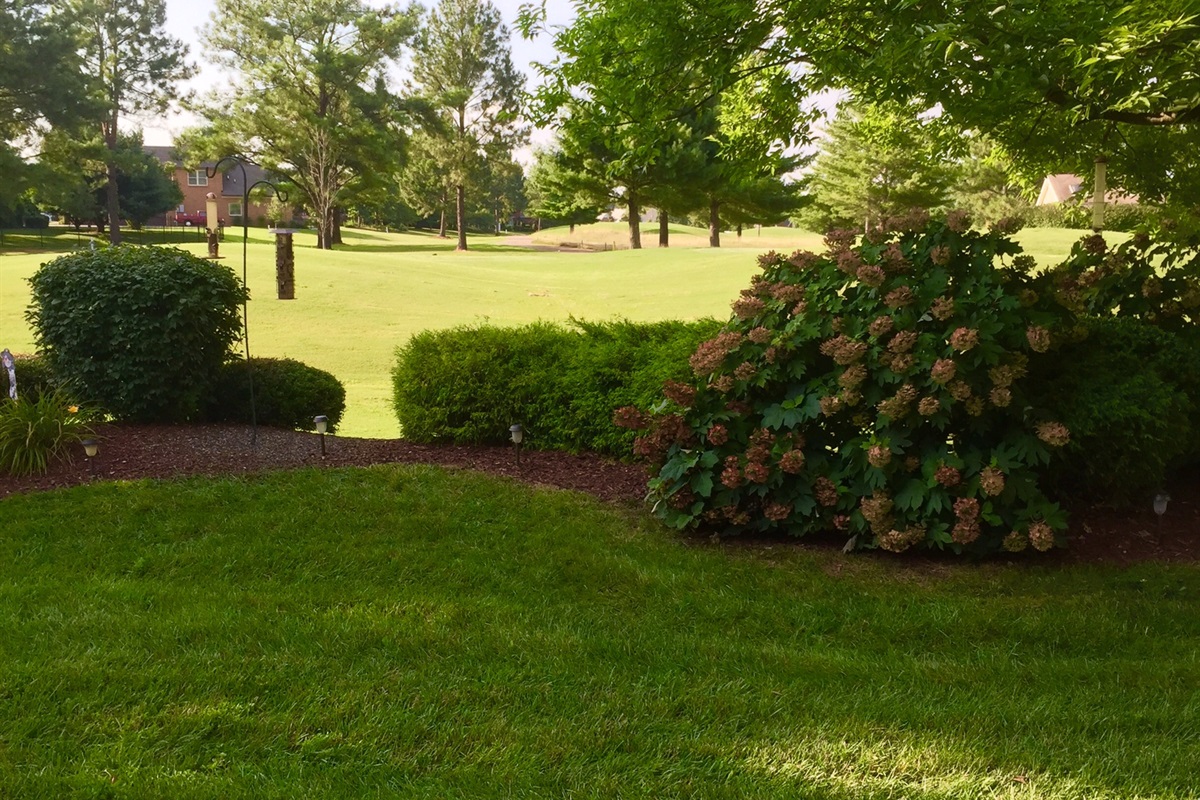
x,y
186,17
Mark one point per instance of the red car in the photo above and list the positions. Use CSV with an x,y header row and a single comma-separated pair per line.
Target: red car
x,y
198,218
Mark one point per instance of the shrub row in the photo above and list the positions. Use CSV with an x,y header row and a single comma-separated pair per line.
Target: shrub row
x,y
467,385
149,334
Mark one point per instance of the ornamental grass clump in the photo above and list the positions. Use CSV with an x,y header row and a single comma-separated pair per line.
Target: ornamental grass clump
x,y
876,389
37,430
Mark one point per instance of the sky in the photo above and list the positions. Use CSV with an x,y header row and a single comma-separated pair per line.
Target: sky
x,y
185,18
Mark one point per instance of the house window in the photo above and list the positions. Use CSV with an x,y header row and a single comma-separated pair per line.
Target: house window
x,y
182,208
197,177
235,210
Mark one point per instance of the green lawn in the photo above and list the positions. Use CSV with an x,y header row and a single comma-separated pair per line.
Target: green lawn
x,y
355,305
407,632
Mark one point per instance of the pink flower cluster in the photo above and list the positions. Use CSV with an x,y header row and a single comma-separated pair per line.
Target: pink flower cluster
x,y
731,476
843,349
777,512
710,355
966,529
929,406
895,541
991,480
940,255
840,239
631,418
792,462
881,326
682,393
1041,536
958,221
825,491
853,376
899,297
963,339
1054,434
745,371
903,341
892,259
947,476
942,309
943,370
960,390
803,259
787,292
718,434
879,456
848,262
871,275
1001,397
759,335
877,511
898,404
748,307
1039,338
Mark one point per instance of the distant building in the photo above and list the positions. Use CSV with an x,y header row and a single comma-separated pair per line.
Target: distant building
x,y
1064,186
195,185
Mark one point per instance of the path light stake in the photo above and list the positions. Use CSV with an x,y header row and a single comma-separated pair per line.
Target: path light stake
x,y
1160,507
516,433
246,187
322,423
91,448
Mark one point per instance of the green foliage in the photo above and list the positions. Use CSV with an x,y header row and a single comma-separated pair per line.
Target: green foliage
x,y
877,162
875,390
1128,392
469,384
287,394
1126,217
34,377
35,429
141,332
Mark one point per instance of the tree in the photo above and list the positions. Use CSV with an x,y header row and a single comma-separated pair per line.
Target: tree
x,y
987,185
463,65
557,194
425,185
73,179
877,162
40,85
134,66
312,100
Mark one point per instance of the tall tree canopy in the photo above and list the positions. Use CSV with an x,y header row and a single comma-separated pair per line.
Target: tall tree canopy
x,y
1057,82
312,100
463,66
134,66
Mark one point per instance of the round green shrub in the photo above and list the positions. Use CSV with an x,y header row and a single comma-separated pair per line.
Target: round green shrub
x,y
875,390
287,394
139,332
1128,392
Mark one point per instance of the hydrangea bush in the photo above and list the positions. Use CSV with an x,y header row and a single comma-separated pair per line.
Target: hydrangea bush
x,y
876,390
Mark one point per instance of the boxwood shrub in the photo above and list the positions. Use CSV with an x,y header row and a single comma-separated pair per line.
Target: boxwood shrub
x,y
469,384
140,332
287,394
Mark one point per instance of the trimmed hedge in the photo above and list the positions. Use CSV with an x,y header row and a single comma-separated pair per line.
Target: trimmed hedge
x,y
140,331
287,394
467,385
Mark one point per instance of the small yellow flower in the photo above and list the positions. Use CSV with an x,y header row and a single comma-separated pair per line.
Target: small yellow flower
x,y
73,409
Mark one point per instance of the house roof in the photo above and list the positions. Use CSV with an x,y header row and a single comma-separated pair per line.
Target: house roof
x,y
1062,187
231,183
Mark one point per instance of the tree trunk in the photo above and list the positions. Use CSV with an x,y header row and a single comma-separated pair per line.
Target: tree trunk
x,y
714,222
572,228
336,227
442,223
635,221
739,230
460,214
664,233
1101,189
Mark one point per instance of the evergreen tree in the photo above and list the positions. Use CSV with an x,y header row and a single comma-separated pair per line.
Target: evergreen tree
x,y
463,66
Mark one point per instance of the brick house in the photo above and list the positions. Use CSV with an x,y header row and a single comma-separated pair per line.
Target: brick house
x,y
195,185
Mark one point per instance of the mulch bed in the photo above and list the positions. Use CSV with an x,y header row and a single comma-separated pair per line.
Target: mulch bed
x,y
1098,534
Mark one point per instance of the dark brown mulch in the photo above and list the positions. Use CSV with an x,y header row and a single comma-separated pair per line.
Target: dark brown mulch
x,y
1098,534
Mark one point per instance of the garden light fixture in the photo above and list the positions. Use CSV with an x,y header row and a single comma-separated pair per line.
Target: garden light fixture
x,y
516,434
1160,507
322,424
91,448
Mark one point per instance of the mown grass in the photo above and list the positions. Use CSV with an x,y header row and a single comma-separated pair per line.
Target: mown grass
x,y
407,632
356,304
